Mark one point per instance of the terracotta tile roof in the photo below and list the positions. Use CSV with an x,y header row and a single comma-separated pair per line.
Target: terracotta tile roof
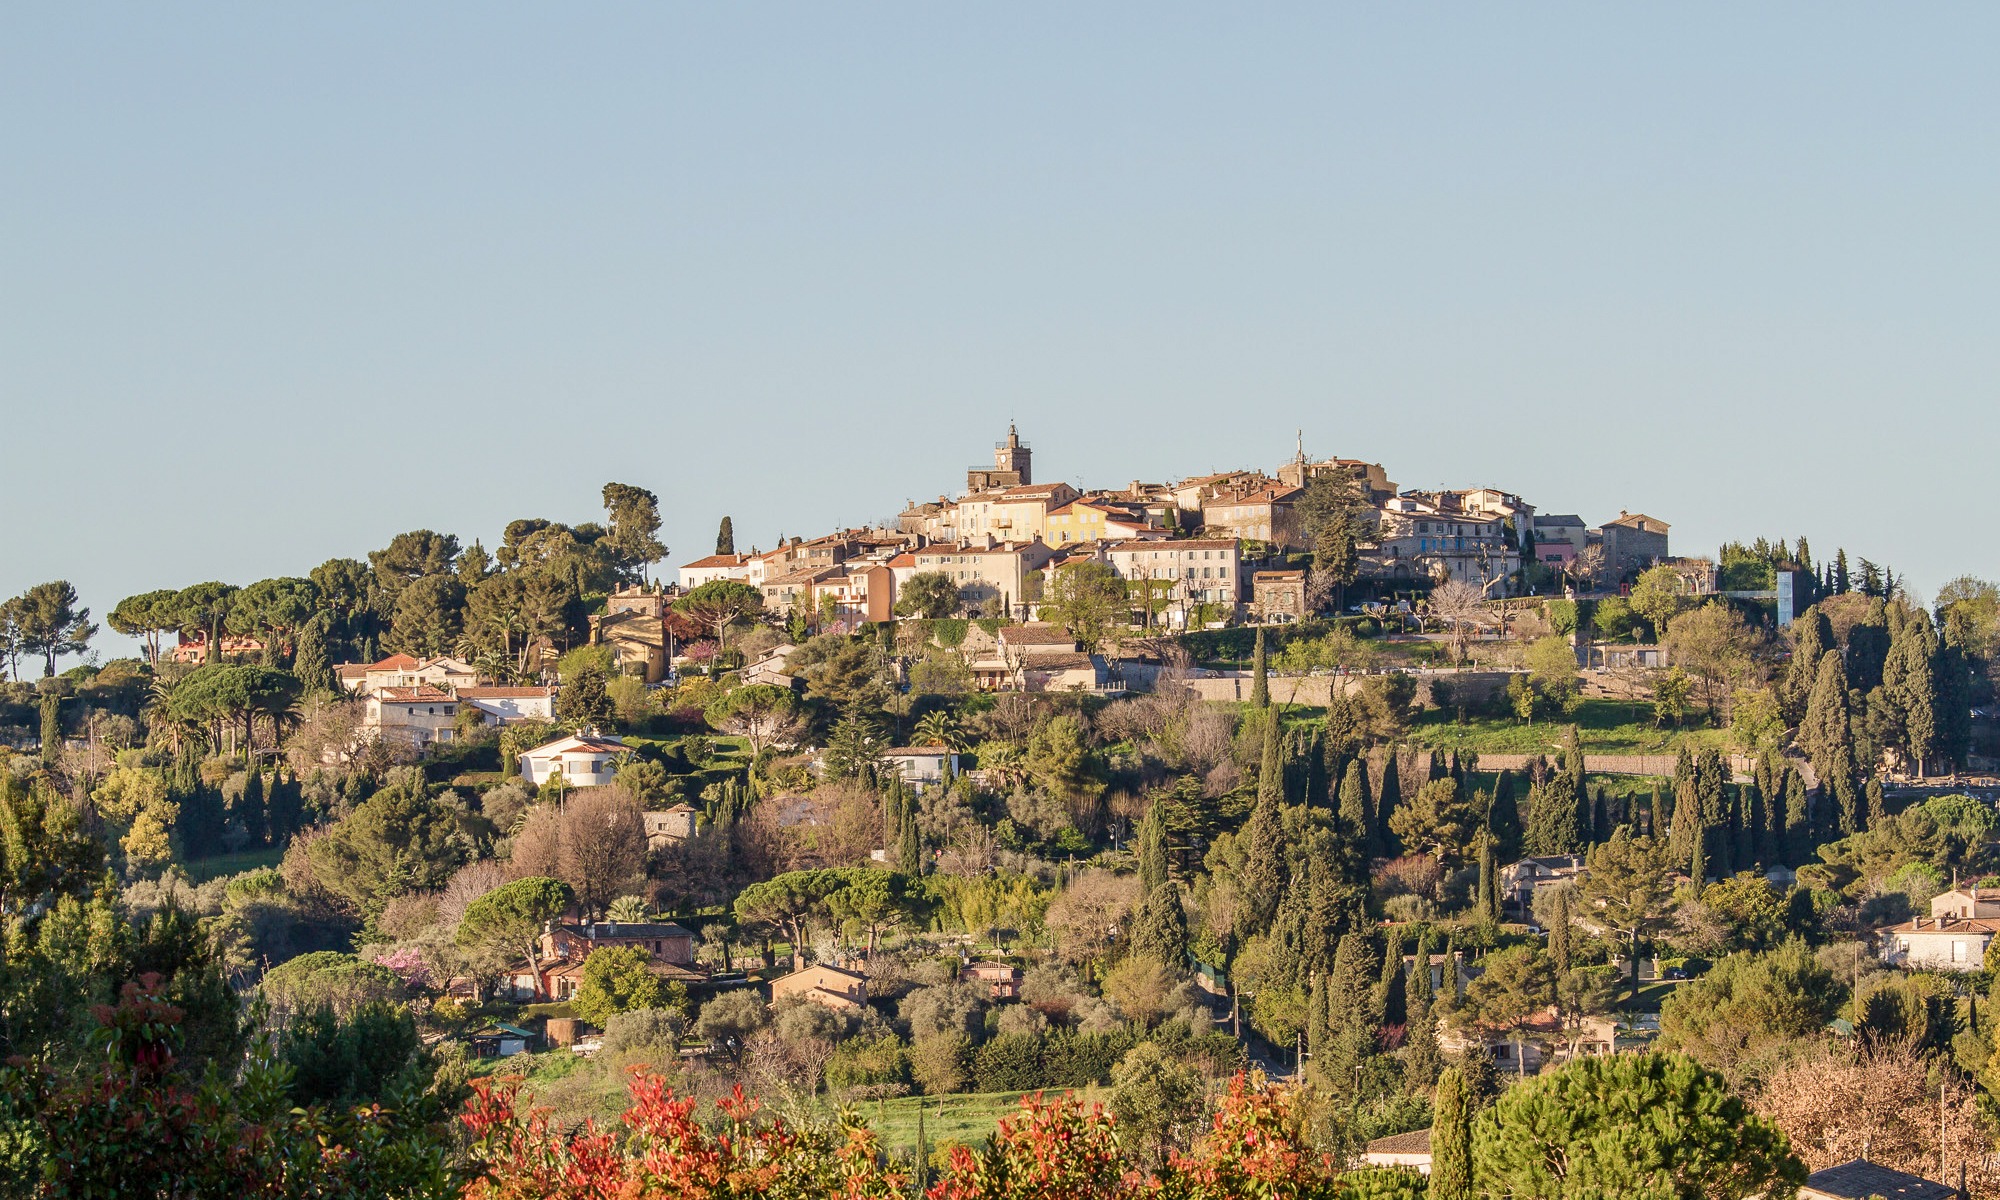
x,y
395,662
420,694
1416,1142
1036,635
718,560
1936,925
1061,662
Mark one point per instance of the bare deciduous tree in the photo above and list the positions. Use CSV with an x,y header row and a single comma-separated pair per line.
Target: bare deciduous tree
x,y
1457,605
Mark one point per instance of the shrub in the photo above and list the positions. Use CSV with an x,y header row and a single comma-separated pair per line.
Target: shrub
x,y
881,1062
939,1062
1011,1062
645,1028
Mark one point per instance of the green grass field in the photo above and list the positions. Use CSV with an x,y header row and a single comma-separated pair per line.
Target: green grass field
x,y
204,869
969,1119
1605,727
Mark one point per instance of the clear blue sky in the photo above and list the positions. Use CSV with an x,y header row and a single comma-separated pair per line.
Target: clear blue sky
x,y
279,281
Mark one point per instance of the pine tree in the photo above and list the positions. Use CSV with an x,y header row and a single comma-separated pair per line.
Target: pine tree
x,y
1260,679
1153,848
1559,951
1451,1140
725,537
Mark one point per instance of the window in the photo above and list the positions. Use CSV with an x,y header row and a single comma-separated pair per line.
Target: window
x,y
1958,952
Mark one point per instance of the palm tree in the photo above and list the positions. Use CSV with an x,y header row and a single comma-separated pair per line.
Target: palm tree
x,y
939,728
627,910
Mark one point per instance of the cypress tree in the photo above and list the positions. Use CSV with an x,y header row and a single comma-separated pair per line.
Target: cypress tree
x,y
52,735
1762,830
1264,852
725,537
1910,678
1449,988
1153,848
1318,1035
1451,1140
893,803
1355,818
1160,931
1260,679
1388,799
250,809
1420,989
1486,910
286,803
1559,951
1600,818
1867,649
1350,1005
1698,864
309,663
1812,637
1271,769
1504,819
909,854
1392,998
1656,811
1877,810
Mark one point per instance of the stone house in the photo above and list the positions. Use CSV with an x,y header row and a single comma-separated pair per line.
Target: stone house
x,y
834,987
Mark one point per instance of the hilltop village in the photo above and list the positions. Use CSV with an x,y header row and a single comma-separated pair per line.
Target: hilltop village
x,y
1393,812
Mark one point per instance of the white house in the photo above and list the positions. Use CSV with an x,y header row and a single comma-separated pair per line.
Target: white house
x,y
1411,1151
1938,943
921,766
420,715
509,705
714,567
585,759
403,671
1966,902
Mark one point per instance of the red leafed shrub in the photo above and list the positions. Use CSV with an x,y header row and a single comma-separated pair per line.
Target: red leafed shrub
x,y
667,1153
1052,1150
1253,1148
